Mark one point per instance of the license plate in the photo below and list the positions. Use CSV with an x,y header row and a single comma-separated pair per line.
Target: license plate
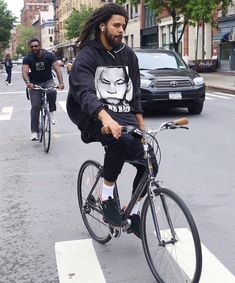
x,y
175,95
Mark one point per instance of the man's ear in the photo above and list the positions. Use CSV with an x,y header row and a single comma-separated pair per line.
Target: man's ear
x,y
102,27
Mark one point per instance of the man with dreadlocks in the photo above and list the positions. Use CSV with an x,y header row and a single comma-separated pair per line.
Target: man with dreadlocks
x,y
105,94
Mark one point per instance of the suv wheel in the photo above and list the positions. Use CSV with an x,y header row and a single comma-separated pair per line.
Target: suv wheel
x,y
195,108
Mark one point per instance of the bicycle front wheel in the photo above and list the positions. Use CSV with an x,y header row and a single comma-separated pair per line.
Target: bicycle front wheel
x,y
40,126
176,256
89,188
46,131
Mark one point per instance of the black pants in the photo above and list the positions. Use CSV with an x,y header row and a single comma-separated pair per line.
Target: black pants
x,y
36,101
8,71
117,152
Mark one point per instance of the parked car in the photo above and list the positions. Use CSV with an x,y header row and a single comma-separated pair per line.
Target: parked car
x,y
166,80
69,65
19,61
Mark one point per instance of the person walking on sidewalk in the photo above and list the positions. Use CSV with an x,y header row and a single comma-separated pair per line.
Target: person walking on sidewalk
x,y
8,67
37,69
105,93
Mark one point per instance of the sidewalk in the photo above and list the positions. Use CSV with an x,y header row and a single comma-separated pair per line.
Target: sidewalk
x,y
218,81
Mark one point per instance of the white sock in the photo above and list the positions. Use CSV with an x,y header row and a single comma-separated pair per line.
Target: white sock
x,y
137,207
107,191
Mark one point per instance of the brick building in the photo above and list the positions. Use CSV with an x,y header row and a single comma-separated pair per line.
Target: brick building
x,y
31,10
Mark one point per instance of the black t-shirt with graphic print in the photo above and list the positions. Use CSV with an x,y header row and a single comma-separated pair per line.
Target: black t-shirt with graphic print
x,y
40,67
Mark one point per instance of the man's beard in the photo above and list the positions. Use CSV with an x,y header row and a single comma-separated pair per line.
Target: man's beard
x,y
114,41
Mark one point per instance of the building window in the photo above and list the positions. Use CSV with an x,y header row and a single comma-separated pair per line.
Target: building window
x,y
163,40
132,40
149,17
51,39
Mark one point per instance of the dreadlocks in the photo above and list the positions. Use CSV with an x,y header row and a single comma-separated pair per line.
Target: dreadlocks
x,y
102,14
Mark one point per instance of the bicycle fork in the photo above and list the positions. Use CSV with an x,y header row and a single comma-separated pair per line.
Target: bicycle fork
x,y
151,194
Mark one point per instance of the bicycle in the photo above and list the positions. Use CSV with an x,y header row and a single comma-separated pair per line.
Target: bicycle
x,y
169,234
44,126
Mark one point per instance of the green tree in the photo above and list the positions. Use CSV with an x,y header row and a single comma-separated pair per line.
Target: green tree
x,y
24,35
204,12
6,24
76,21
184,12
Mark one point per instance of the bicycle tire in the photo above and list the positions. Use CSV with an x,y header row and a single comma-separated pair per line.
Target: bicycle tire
x,y
46,131
40,126
175,262
92,216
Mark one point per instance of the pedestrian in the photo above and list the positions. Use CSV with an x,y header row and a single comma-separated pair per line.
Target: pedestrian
x,y
37,69
8,67
105,94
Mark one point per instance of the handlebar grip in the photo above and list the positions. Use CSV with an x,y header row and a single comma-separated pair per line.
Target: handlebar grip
x,y
181,122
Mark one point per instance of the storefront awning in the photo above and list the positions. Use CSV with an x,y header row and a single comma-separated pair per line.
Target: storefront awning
x,y
221,37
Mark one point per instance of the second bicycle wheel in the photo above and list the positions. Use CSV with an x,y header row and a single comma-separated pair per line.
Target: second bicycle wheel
x,y
89,188
46,131
178,259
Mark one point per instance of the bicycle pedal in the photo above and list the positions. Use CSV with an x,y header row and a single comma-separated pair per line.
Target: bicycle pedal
x,y
126,226
115,232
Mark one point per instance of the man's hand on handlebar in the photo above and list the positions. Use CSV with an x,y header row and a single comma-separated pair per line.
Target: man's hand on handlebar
x,y
30,85
61,86
110,126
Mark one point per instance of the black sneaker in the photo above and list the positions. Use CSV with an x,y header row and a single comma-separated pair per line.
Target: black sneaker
x,y
135,225
111,212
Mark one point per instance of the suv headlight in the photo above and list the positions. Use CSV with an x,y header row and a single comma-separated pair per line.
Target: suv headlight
x,y
145,83
198,81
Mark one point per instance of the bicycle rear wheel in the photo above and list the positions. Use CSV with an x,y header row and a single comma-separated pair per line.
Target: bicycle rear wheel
x,y
89,185
46,131
174,261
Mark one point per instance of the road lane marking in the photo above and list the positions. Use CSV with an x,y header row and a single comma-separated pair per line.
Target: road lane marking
x,y
77,262
6,113
209,98
212,269
218,96
18,92
225,94
63,105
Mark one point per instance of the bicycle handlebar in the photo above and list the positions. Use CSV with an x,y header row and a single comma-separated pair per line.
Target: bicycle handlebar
x,y
38,87
179,123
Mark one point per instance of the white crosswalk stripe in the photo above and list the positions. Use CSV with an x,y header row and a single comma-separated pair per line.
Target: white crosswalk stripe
x,y
6,113
63,105
74,259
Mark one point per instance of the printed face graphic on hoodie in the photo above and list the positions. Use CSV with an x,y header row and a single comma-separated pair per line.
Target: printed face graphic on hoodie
x,y
114,88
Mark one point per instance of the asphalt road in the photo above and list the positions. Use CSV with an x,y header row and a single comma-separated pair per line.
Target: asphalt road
x,y
38,201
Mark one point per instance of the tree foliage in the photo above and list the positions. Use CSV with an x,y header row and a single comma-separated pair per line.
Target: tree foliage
x,y
186,12
6,24
24,35
76,21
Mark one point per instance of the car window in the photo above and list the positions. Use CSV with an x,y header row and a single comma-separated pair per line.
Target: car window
x,y
159,60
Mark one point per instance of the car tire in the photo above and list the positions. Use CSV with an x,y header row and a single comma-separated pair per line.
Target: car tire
x,y
195,108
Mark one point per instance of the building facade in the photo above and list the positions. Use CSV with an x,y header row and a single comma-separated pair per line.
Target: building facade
x,y
224,40
32,9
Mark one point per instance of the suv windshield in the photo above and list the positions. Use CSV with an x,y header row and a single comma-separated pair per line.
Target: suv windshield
x,y
158,60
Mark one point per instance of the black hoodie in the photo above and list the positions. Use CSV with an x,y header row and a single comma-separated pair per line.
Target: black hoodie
x,y
102,79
